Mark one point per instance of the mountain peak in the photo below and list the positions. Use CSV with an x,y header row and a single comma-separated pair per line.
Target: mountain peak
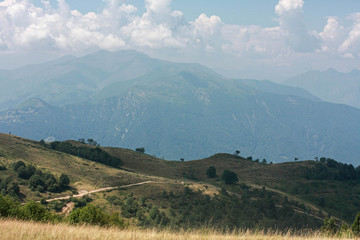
x,y
32,103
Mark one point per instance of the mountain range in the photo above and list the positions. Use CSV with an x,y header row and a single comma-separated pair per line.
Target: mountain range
x,y
173,110
331,85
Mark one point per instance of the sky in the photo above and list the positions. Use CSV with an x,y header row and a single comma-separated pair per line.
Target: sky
x,y
261,39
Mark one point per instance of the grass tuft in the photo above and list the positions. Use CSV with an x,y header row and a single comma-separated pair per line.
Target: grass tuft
x,y
21,230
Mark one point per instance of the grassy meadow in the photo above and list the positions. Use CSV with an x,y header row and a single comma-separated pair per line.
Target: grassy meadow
x,y
13,229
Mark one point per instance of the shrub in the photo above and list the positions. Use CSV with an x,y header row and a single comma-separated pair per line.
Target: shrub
x,y
9,207
34,211
229,177
36,181
64,181
140,150
211,172
355,227
13,189
329,227
19,164
89,214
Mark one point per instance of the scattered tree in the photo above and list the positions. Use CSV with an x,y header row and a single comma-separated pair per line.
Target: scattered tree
x,y
229,177
140,150
19,164
64,181
211,172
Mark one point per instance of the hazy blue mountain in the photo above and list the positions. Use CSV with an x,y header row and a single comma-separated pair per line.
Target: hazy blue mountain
x,y
331,85
70,79
271,87
188,111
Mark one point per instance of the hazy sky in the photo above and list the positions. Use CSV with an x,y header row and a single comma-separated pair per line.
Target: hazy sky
x,y
264,39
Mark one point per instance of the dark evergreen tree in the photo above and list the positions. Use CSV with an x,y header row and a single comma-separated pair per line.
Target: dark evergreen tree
x,y
229,177
211,172
140,150
64,181
19,164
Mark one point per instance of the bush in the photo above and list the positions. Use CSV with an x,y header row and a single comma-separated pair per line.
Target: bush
x,y
64,181
19,164
21,171
36,181
35,212
8,186
92,154
9,207
90,214
329,227
13,189
140,150
229,177
211,172
355,227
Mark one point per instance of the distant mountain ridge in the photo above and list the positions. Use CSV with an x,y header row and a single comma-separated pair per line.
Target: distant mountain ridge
x,y
177,110
331,85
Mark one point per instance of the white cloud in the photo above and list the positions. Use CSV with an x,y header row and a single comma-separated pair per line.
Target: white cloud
x,y
332,30
207,25
351,45
332,35
165,32
158,6
285,6
292,27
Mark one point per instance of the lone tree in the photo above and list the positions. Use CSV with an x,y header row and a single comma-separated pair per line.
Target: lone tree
x,y
229,177
211,172
140,150
237,152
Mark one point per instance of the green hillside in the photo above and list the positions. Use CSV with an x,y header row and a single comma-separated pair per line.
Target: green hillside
x,y
179,194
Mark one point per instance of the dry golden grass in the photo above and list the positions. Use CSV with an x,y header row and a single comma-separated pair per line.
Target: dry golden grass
x,y
12,229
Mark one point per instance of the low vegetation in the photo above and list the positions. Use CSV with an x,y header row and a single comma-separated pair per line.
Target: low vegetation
x,y
225,191
19,230
95,154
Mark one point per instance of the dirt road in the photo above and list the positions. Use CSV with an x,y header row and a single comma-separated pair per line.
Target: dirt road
x,y
84,192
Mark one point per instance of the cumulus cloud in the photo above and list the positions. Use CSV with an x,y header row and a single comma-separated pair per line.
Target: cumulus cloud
x,y
332,35
293,29
286,6
158,6
351,45
161,29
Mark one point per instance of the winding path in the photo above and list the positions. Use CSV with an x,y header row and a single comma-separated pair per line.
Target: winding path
x,y
84,192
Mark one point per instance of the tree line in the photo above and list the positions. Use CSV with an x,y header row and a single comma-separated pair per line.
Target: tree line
x,y
94,153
